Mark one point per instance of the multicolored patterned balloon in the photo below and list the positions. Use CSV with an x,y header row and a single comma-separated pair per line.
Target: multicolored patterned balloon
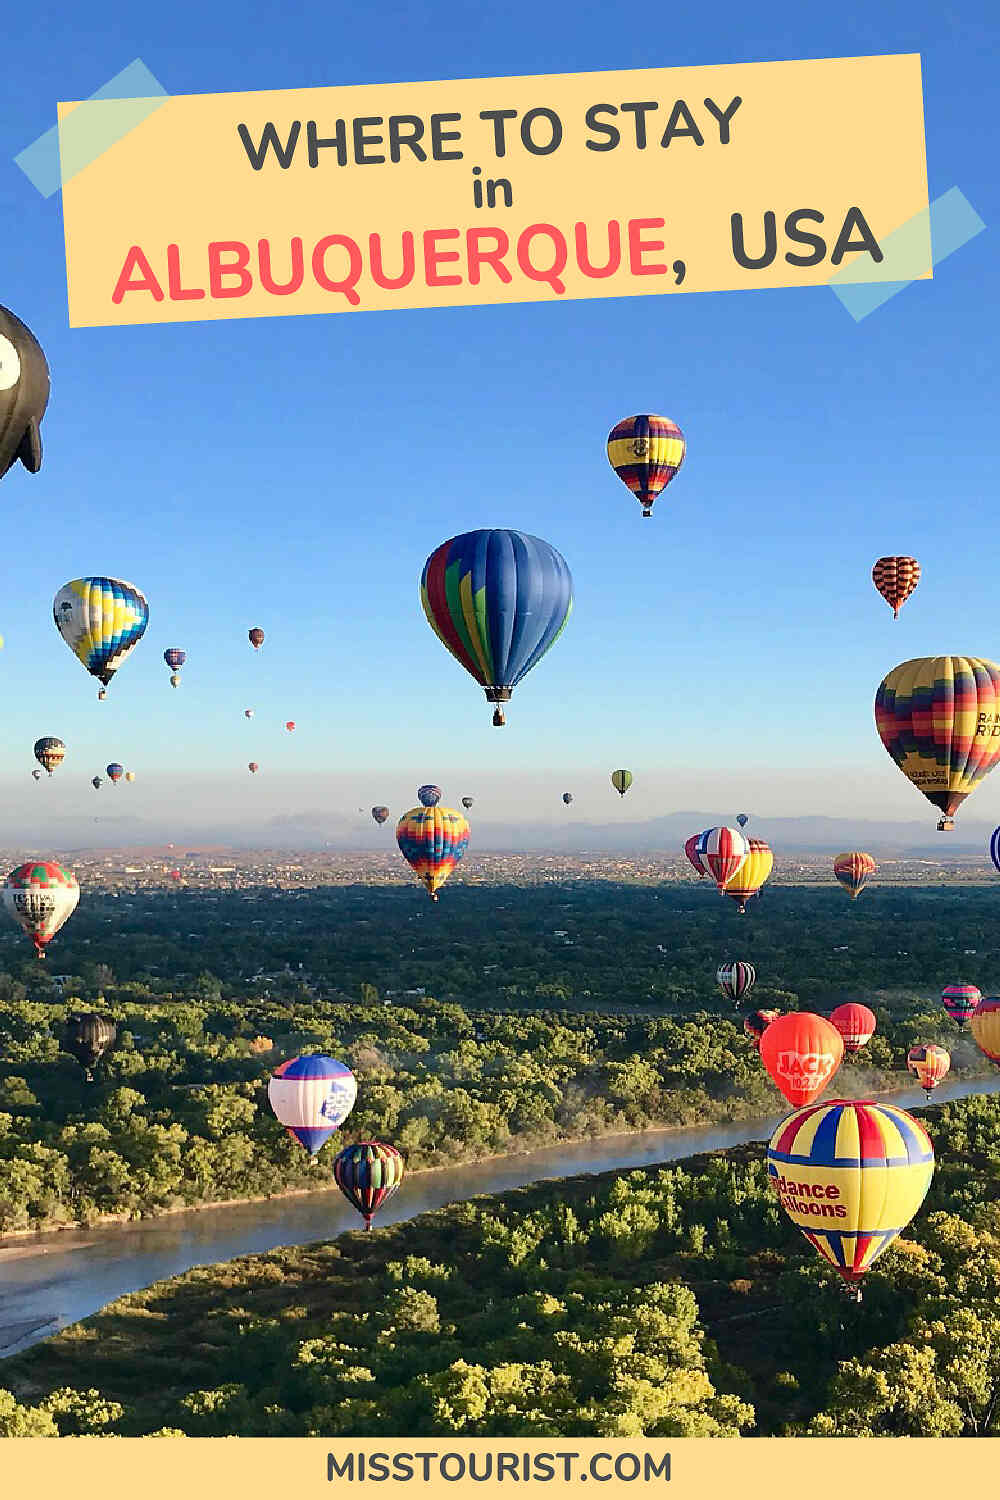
x,y
723,851
850,1174
751,875
986,1028
960,1001
368,1173
939,719
115,771
428,796
41,896
102,620
432,840
50,753
929,1064
498,601
694,848
380,814
736,980
853,871
646,452
174,658
896,578
312,1097
856,1024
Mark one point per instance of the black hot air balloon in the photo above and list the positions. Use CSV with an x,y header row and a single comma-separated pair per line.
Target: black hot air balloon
x,y
380,814
87,1038
24,394
367,1174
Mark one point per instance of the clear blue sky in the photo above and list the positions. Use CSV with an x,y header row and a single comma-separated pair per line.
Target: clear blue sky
x,y
291,472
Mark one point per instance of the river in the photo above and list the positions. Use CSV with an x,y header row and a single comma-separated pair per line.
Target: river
x,y
53,1280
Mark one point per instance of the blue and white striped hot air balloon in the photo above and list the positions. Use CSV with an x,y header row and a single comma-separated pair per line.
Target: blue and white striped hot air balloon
x,y
312,1097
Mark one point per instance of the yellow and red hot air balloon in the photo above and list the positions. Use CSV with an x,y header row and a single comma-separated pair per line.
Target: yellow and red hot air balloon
x,y
432,840
801,1052
853,871
850,1174
896,578
646,453
985,1025
751,875
856,1024
929,1064
939,719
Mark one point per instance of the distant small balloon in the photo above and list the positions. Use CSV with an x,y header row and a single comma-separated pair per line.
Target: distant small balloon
x,y
290,725
467,802
567,798
96,783
248,713
37,775
380,814
253,768
428,796
256,637
129,775
115,771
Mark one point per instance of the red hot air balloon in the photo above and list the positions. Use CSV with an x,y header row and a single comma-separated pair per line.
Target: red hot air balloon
x,y
896,578
256,637
856,1025
290,725
693,849
801,1052
253,768
724,852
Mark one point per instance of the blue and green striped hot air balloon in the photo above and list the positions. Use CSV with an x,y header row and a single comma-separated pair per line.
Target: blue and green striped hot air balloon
x,y
497,600
101,620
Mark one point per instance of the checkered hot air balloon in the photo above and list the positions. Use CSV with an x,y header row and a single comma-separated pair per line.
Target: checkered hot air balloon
x,y
312,1096
498,601
853,871
896,578
646,453
929,1064
939,719
41,896
102,621
961,1001
850,1174
723,851
432,840
368,1173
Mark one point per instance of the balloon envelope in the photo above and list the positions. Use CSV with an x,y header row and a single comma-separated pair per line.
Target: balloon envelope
x,y
87,1038
102,620
312,1096
939,719
253,768
368,1173
498,601
929,1063
896,578
621,781
256,637
751,875
856,1024
736,980
428,796
24,394
174,658
694,848
801,1052
567,798
646,452
467,802
380,814
115,771
50,752
723,851
432,840
757,1022
850,1174
960,1001
40,896
986,1028
853,871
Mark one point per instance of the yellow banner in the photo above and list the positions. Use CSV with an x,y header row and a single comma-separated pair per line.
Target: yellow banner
x,y
494,190
431,1468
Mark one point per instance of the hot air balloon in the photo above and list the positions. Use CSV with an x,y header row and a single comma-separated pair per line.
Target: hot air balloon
x,y
312,1097
253,768
115,771
751,875
856,1024
929,1064
567,798
850,1174
467,802
290,725
995,849
498,600
367,1174
102,621
757,1022
736,980
41,896
853,870
380,814
24,394
432,840
37,775
694,848
428,796
621,781
175,659
646,452
248,713
256,637
175,874
801,1052
50,753
87,1038
129,775
896,578
97,783
723,850
960,1000
742,819
939,719
986,1028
